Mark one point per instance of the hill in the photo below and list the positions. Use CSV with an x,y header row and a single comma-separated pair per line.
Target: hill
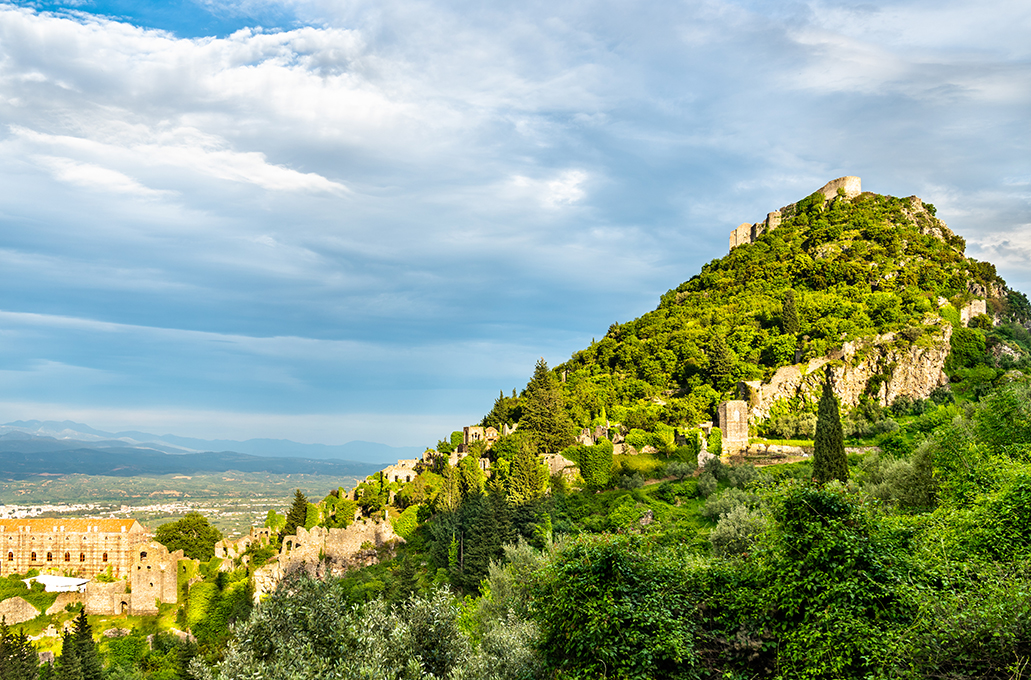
x,y
836,273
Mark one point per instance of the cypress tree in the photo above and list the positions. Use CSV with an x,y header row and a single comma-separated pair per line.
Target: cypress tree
x,y
297,515
544,416
829,460
18,659
789,313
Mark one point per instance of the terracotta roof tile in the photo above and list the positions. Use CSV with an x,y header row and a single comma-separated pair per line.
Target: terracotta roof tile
x,y
76,525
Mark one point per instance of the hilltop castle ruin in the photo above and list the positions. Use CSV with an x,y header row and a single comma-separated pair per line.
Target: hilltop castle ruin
x,y
748,232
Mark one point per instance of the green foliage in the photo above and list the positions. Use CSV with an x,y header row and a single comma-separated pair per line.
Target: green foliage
x,y
715,442
506,411
528,479
406,523
275,521
606,608
829,441
544,418
595,463
192,534
789,313
18,660
737,531
307,631
968,348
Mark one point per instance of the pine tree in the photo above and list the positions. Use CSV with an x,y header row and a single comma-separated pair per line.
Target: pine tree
x,y
86,648
544,416
297,515
829,461
789,314
450,494
18,658
68,666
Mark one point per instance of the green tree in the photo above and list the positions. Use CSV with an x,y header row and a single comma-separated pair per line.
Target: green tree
x,y
18,659
68,666
275,521
789,313
528,478
829,461
298,514
86,648
192,534
722,361
544,418
471,477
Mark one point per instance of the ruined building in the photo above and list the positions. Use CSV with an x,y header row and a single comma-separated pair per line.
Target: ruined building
x,y
70,547
153,580
748,232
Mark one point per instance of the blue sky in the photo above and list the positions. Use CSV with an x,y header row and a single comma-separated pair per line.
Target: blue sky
x,y
328,221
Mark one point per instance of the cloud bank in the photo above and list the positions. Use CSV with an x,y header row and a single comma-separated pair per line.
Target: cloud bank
x,y
387,211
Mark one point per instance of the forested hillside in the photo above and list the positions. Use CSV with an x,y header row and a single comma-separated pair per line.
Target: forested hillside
x,y
832,271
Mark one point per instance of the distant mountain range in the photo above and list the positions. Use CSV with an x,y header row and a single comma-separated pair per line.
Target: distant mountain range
x,y
33,447
67,430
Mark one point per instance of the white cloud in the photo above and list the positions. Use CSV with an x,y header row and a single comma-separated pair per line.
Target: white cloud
x,y
96,177
562,190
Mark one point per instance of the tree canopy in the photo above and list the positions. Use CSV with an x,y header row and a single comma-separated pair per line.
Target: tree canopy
x,y
192,534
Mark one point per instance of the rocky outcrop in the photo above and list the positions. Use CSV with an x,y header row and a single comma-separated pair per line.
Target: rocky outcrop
x,y
885,367
17,610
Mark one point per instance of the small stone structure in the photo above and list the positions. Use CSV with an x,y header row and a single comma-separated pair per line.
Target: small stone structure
x,y
748,232
558,464
231,550
733,423
476,433
972,309
404,471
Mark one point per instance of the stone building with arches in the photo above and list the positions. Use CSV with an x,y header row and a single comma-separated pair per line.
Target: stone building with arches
x,y
70,546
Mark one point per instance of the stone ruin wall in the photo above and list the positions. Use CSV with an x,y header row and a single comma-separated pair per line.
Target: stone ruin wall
x,y
322,552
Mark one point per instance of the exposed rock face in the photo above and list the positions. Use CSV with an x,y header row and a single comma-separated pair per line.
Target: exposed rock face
x,y
885,367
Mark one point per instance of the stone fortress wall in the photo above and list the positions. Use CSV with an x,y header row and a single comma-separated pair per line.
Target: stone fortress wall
x,y
748,232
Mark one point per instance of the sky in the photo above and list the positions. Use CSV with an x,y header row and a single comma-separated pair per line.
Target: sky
x,y
328,221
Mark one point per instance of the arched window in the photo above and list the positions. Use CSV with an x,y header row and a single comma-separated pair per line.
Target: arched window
x,y
33,557
50,557
82,557
105,557
67,557
143,555
10,557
